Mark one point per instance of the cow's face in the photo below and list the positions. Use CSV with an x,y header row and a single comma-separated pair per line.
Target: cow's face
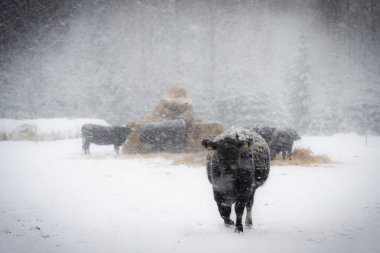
x,y
295,135
227,149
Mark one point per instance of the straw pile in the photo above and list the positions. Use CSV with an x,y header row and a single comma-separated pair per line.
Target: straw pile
x,y
176,104
301,157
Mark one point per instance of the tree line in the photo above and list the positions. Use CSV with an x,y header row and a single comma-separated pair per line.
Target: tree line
x,y
312,65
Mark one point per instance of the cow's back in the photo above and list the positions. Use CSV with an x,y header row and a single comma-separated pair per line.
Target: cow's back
x,y
283,139
167,135
103,135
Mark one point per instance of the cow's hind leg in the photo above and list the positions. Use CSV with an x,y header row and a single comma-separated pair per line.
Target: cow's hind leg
x,y
248,219
290,151
283,154
289,154
272,154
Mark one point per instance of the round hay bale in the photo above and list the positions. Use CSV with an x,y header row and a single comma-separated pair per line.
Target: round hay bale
x,y
133,144
25,132
177,91
3,136
200,130
195,133
176,104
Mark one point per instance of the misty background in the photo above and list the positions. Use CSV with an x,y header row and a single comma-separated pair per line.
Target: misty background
x,y
309,64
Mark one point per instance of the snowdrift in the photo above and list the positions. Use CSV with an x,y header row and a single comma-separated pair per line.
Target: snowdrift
x,y
44,129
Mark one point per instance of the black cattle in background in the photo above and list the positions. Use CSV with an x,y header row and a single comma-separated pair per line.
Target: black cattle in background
x,y
166,135
265,132
237,165
104,135
282,141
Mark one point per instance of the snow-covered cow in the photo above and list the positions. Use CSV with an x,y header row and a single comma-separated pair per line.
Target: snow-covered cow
x,y
168,135
282,141
103,135
266,132
238,164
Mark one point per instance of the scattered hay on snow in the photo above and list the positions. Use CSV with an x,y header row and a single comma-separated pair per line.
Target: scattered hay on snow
x,y
301,156
189,159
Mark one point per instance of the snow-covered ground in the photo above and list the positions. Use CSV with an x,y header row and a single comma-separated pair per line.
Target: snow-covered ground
x,y
55,199
52,128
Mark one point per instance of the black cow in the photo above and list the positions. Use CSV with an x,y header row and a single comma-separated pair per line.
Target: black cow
x,y
167,135
266,132
282,141
237,165
103,135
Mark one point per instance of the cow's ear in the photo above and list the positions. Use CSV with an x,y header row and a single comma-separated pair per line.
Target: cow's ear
x,y
208,144
246,144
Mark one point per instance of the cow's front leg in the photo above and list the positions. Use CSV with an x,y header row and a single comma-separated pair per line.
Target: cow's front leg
x,y
244,189
116,146
239,210
240,205
224,206
225,212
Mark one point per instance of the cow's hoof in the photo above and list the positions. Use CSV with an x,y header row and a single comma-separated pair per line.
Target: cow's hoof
x,y
239,229
228,222
248,224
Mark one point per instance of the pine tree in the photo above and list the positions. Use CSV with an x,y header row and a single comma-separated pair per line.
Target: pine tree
x,y
298,93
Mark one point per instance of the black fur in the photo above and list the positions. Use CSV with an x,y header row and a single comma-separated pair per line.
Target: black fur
x,y
236,166
167,135
103,135
265,132
282,141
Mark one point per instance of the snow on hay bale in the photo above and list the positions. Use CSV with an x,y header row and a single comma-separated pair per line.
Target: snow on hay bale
x,y
45,129
176,104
